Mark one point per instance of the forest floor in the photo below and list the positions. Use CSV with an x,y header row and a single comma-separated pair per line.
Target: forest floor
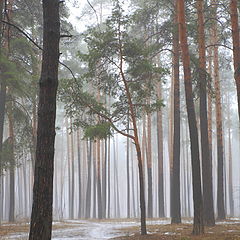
x,y
125,229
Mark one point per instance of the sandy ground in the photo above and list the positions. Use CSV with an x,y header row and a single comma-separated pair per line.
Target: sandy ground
x,y
124,229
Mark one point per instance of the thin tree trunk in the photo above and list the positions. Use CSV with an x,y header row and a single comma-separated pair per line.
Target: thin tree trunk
x,y
161,204
94,180
99,189
12,162
230,179
128,175
109,175
198,226
175,181
69,171
79,175
149,163
41,218
104,178
72,185
220,185
89,170
206,164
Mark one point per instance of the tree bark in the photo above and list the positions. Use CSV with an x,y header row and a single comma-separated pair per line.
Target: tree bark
x,y
128,173
230,179
99,189
89,170
220,185
12,162
41,218
175,181
198,226
161,204
236,47
72,177
149,163
206,164
79,175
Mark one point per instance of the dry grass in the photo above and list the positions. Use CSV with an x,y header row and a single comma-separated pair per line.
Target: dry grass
x,y
183,232
228,231
23,227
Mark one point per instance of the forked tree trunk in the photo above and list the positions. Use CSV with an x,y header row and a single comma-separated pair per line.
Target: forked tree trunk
x,y
206,164
175,181
41,218
198,226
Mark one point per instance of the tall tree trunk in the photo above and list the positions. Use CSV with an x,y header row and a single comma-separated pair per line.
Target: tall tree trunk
x,y
41,218
236,47
128,174
230,179
99,189
133,183
206,164
198,226
3,88
72,176
109,175
89,170
12,162
220,185
104,178
94,180
175,181
161,204
210,108
149,163
79,175
69,171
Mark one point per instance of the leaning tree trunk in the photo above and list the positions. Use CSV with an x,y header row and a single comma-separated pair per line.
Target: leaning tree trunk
x,y
206,164
236,47
198,226
175,181
41,218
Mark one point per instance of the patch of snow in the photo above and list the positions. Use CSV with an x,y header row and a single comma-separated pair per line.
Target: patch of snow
x,y
169,233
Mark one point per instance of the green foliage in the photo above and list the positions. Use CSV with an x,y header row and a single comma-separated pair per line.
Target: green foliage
x,y
118,64
8,70
99,131
7,155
